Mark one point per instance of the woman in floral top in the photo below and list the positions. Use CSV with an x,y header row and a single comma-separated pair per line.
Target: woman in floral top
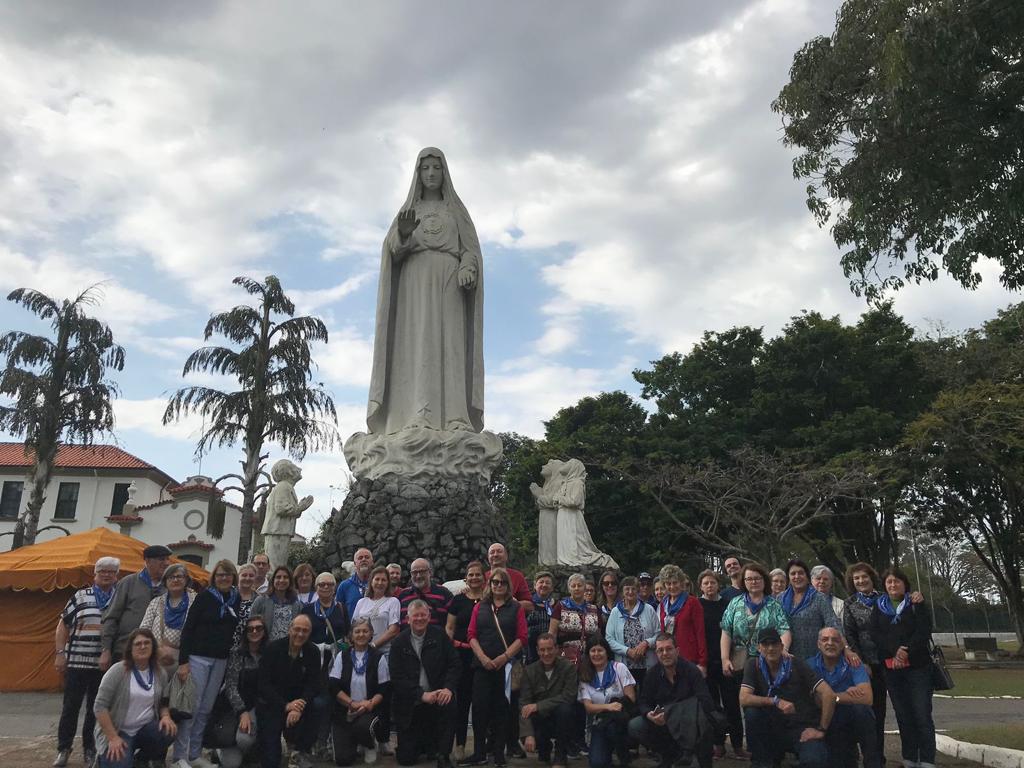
x,y
748,614
165,615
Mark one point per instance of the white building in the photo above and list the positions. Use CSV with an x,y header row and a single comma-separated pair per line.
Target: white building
x,y
104,485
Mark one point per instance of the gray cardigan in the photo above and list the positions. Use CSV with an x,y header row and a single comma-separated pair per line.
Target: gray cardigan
x,y
126,610
113,696
263,607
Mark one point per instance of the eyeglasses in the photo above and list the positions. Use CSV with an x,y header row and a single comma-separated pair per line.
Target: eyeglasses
x,y
176,577
141,644
254,629
753,579
609,583
222,575
325,584
414,571
498,582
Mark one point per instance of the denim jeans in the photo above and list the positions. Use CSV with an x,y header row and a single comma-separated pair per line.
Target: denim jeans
x,y
853,725
607,737
150,742
910,691
79,684
769,737
207,675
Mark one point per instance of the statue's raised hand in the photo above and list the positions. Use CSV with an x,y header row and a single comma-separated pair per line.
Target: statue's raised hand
x,y
407,223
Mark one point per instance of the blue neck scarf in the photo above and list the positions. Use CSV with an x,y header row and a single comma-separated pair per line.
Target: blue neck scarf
x,y
357,668
226,605
540,602
607,678
102,598
787,601
144,684
753,607
896,613
867,600
572,605
321,613
354,578
637,610
785,670
174,618
836,677
146,578
672,607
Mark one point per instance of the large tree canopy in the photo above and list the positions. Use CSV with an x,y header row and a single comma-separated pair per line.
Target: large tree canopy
x,y
910,124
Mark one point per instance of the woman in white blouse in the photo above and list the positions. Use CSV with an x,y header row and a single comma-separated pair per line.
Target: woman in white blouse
x,y
608,694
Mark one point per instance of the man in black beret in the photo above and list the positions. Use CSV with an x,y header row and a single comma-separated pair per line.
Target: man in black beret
x,y
132,596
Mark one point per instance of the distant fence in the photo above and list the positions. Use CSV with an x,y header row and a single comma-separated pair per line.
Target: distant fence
x,y
948,639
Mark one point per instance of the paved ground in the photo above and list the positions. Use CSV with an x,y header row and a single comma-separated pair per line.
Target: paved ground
x,y
28,722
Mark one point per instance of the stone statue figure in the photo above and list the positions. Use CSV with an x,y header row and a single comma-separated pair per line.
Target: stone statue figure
x,y
425,413
571,544
428,363
547,506
283,510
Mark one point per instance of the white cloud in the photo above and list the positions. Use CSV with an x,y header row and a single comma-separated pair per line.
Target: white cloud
x,y
145,416
347,358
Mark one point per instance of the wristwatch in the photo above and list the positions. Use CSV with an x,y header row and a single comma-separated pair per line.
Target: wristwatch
x,y
62,652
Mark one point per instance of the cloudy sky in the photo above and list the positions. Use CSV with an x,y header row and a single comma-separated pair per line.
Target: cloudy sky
x,y
620,160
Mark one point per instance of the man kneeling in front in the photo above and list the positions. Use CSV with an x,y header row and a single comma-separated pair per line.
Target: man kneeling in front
x,y
675,708
781,697
853,723
548,696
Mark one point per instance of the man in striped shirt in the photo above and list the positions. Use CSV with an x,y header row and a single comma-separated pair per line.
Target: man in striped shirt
x,y
422,587
78,648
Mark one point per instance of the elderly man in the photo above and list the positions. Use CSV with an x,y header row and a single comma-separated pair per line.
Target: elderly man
x,y
424,669
78,648
395,576
497,557
788,708
547,696
288,695
422,587
853,723
822,579
674,709
131,598
354,587
262,562
734,570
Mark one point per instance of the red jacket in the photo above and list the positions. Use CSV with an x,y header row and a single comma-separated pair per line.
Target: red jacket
x,y
688,631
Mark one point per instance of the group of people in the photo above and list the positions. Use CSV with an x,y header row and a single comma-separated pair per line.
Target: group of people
x,y
624,662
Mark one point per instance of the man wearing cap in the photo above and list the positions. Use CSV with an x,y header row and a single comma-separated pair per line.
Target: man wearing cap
x,y
131,598
854,721
787,706
78,648
645,590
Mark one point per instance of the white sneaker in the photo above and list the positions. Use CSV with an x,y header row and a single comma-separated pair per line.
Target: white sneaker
x,y
182,763
385,748
370,756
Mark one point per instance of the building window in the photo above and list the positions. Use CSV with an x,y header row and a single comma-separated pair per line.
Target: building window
x,y
120,498
10,498
67,501
194,559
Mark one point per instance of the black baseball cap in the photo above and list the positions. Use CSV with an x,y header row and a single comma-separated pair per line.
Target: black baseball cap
x,y
645,576
768,636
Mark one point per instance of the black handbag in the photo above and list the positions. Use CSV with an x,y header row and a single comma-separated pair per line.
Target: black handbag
x,y
941,679
222,726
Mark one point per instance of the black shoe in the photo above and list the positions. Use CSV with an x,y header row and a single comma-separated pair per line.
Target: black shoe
x,y
573,753
583,748
516,750
443,761
472,760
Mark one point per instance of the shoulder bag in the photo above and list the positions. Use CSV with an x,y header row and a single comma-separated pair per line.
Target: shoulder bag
x,y
516,674
941,679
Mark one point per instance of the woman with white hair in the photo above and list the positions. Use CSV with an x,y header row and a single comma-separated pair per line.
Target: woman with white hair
x,y
822,579
778,581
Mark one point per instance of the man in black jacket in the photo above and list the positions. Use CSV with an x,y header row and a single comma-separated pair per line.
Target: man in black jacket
x,y
424,670
675,706
289,684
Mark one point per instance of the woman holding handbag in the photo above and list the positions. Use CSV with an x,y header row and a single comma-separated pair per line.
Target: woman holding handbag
x,y
747,615
497,634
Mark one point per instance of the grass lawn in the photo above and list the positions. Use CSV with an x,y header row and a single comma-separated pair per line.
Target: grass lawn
x,y
987,682
1010,736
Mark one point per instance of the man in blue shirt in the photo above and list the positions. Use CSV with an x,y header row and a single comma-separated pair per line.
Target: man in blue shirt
x,y
854,721
354,587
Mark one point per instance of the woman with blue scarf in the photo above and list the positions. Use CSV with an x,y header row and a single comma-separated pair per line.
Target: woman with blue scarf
x,y
206,641
862,584
682,616
631,629
608,695
807,611
746,616
902,631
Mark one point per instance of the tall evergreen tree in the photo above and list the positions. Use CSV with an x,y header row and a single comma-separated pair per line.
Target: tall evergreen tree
x,y
274,401
57,386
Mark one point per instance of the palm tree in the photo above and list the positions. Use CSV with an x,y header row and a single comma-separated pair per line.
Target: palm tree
x,y
58,387
274,399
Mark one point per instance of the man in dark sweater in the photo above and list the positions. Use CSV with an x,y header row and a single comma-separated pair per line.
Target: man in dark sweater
x,y
547,695
674,708
289,681
424,668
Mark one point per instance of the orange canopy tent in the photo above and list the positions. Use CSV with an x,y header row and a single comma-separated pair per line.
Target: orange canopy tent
x,y
35,585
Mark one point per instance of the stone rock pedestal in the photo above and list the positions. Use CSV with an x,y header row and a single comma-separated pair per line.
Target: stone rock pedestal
x,y
446,520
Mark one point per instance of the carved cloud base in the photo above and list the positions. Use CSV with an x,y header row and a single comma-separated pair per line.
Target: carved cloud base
x,y
423,453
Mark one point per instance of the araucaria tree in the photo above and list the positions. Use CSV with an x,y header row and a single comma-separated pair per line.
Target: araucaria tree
x,y
57,386
274,400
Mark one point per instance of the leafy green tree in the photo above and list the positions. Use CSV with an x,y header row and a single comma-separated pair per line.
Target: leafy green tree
x,y
58,386
274,401
909,120
521,462
970,447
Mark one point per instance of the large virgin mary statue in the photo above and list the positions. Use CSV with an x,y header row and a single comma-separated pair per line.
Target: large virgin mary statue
x,y
428,364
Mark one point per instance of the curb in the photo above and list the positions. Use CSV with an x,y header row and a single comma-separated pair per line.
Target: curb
x,y
987,755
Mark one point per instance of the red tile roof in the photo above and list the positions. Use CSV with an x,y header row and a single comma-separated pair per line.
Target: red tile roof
x,y
75,456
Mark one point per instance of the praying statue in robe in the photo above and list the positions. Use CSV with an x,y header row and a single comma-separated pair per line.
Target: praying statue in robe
x,y
546,497
428,369
565,489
